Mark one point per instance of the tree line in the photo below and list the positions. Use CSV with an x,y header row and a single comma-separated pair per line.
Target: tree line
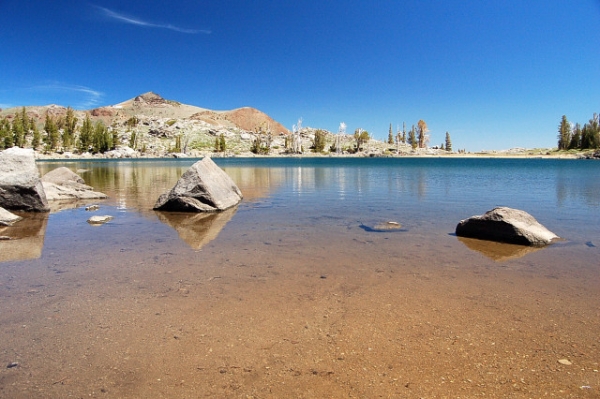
x,y
417,136
60,133
574,136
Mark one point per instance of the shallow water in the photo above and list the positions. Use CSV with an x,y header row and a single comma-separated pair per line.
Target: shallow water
x,y
289,295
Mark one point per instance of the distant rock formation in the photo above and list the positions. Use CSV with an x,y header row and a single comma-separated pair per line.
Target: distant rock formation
x,y
508,225
204,187
20,184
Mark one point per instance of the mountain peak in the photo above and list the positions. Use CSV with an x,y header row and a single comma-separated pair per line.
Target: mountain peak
x,y
149,97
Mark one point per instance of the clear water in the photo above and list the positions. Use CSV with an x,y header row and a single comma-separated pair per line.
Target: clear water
x,y
427,196
564,194
292,294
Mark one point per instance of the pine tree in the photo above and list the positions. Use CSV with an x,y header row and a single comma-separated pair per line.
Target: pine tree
x,y
133,139
564,133
590,134
319,141
86,134
37,137
70,124
18,132
412,138
575,137
102,138
390,136
115,140
52,134
448,142
422,133
6,137
220,145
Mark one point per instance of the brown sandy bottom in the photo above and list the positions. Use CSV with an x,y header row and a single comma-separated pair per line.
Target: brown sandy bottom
x,y
294,313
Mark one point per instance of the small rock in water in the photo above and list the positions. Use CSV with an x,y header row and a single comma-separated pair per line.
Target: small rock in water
x,y
99,219
92,208
590,244
388,226
382,227
565,362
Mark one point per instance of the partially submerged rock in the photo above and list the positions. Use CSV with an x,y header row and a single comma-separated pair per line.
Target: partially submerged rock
x,y
204,187
64,184
508,225
99,219
7,218
382,227
20,184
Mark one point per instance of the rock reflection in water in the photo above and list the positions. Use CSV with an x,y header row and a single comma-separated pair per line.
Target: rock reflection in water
x,y
25,239
197,229
498,251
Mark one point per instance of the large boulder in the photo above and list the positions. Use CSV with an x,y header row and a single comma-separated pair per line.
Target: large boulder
x,y
508,225
64,184
204,187
20,184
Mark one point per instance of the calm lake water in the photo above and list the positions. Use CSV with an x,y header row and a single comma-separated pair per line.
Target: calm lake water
x,y
427,196
150,299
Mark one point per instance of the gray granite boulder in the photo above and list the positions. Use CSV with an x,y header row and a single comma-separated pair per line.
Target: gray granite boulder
x,y
63,184
508,225
20,184
204,187
7,218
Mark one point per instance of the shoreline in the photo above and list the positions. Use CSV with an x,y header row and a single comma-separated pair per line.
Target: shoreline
x,y
201,154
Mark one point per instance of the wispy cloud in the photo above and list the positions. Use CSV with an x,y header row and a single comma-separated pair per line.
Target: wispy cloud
x,y
139,22
91,97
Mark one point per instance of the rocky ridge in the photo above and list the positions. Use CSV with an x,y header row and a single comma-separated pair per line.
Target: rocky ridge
x,y
150,126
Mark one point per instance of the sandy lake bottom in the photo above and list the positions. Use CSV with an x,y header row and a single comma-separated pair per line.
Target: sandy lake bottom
x,y
264,303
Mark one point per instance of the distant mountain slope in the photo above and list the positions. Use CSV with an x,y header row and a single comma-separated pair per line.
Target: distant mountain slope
x,y
246,118
152,105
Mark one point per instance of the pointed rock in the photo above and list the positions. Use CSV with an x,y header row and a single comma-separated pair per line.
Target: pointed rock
x,y
204,187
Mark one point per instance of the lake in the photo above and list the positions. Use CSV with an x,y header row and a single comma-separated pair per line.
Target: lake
x,y
296,293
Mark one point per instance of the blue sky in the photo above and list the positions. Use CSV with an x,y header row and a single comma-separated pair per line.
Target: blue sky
x,y
495,74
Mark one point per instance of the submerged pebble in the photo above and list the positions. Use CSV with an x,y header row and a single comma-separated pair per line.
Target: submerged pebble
x,y
99,219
